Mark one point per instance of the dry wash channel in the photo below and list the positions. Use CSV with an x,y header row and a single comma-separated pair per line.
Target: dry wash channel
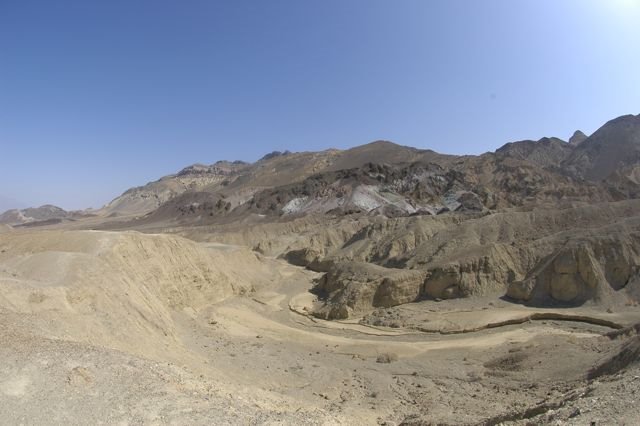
x,y
135,328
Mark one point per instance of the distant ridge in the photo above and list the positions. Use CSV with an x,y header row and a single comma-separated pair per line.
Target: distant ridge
x,y
383,177
28,215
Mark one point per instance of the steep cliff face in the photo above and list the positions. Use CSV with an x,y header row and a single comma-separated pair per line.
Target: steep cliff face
x,y
597,269
585,254
353,288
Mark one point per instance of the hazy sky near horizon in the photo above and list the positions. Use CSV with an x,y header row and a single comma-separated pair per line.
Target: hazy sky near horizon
x,y
98,96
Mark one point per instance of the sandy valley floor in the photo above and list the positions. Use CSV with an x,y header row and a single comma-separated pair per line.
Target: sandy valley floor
x,y
81,343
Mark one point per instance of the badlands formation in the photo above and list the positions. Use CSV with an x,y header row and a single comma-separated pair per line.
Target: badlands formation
x,y
377,285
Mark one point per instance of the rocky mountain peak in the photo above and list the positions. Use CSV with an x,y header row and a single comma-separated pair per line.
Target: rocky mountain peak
x,y
577,138
611,148
275,154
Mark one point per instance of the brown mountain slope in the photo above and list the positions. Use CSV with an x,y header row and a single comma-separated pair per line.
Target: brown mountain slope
x,y
518,174
33,214
613,147
577,138
239,181
389,178
547,152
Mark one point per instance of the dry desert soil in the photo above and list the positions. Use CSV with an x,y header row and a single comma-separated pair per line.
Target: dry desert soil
x,y
378,285
127,328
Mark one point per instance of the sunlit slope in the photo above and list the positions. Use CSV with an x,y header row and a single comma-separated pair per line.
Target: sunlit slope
x,y
117,289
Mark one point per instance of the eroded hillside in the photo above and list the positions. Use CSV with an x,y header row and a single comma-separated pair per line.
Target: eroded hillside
x,y
381,284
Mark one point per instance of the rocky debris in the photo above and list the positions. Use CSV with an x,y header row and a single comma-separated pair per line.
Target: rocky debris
x,y
383,317
386,358
628,354
609,394
97,384
521,290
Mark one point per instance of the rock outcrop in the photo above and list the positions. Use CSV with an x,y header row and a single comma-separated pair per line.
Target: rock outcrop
x,y
545,152
613,146
585,270
33,214
577,138
585,254
353,288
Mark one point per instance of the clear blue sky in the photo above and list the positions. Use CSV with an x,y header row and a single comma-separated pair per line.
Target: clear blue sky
x,y
98,96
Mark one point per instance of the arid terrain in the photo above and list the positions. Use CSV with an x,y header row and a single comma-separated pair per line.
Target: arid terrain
x,y
377,285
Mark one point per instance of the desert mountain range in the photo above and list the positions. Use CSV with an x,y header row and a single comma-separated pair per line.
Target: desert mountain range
x,y
388,204
382,177
380,284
